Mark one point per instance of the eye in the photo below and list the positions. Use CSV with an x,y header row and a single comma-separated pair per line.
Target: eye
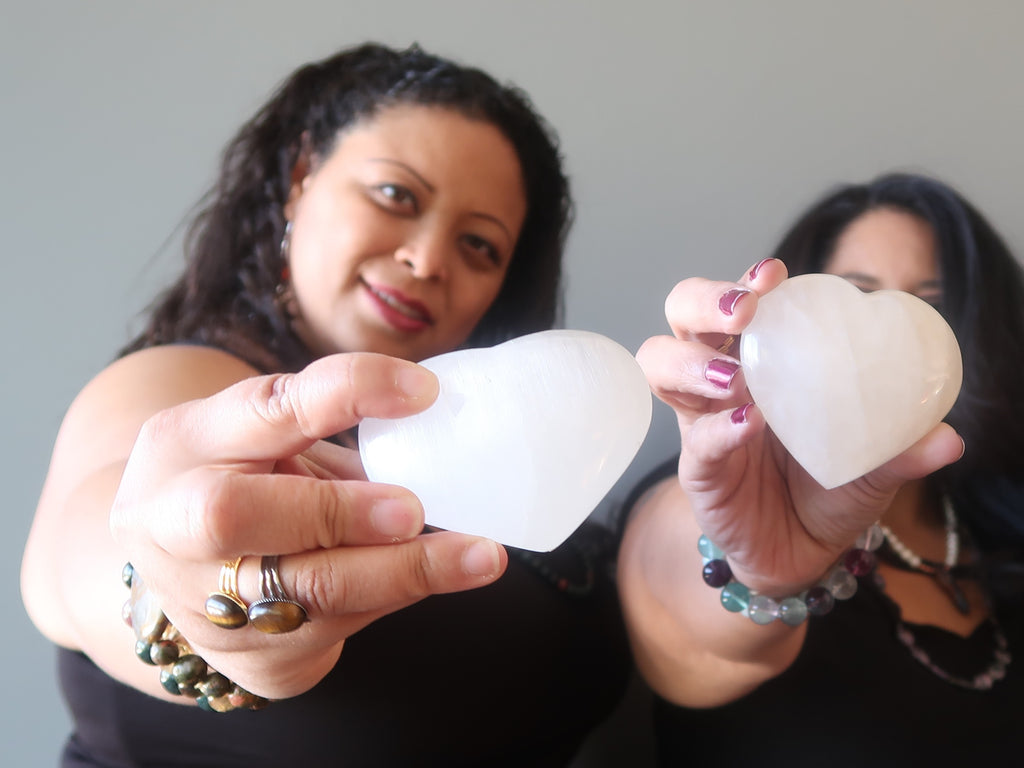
x,y
481,251
395,196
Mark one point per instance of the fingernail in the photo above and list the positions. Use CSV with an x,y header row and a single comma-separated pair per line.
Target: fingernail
x,y
727,304
395,518
757,267
963,449
739,416
415,380
720,372
481,558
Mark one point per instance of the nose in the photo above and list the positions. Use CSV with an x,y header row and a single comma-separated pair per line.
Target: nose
x,y
425,252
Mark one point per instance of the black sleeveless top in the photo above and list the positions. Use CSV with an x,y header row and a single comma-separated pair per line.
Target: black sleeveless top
x,y
513,674
856,696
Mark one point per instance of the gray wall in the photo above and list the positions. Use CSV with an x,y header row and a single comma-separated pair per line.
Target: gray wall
x,y
693,132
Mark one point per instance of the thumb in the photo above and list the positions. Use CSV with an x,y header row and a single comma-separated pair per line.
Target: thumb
x,y
268,417
940,447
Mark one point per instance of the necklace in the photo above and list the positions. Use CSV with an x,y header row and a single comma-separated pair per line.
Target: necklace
x,y
942,572
540,563
982,681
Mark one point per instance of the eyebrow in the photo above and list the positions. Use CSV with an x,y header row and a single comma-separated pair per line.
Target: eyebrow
x,y
860,277
408,168
430,187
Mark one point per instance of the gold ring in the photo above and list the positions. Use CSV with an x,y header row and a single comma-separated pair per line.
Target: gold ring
x,y
726,345
225,607
274,613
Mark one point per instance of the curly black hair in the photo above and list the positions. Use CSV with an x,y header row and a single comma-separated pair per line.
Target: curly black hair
x,y
983,302
226,295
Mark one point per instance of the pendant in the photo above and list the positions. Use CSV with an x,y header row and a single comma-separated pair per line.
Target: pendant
x,y
944,578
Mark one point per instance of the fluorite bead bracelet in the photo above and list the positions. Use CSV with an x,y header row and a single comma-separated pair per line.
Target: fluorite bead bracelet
x,y
839,583
182,672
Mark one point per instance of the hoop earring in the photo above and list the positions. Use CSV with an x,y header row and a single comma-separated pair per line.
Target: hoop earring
x,y
283,295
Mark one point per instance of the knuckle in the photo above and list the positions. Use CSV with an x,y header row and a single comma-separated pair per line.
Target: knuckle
x,y
323,589
332,521
159,428
215,516
419,570
277,400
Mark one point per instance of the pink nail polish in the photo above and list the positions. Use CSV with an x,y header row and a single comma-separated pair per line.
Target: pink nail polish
x,y
727,304
757,268
739,416
720,372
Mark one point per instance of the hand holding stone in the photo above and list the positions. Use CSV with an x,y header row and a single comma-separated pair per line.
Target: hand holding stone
x,y
778,525
524,439
848,380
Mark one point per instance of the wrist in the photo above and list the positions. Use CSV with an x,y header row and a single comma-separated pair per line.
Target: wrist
x,y
765,600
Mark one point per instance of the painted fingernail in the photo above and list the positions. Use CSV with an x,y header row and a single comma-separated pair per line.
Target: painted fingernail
x,y
720,372
727,304
395,519
739,416
757,267
481,558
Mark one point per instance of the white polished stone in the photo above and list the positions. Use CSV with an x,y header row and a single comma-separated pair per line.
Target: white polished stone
x,y
525,438
848,380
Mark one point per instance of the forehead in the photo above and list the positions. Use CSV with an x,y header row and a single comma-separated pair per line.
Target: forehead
x,y
469,160
430,133
892,246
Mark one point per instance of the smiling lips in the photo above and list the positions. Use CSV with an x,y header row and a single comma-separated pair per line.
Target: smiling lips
x,y
398,310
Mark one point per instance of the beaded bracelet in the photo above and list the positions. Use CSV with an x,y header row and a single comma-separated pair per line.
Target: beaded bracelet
x,y
182,672
839,583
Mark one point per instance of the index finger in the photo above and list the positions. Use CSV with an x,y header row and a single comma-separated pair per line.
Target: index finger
x,y
269,417
698,306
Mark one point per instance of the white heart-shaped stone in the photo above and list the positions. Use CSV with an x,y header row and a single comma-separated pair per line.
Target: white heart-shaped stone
x,y
848,380
524,440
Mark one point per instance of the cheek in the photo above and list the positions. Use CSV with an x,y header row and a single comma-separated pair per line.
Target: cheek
x,y
479,298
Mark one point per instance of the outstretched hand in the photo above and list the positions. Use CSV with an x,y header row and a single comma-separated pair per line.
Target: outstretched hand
x,y
247,472
779,528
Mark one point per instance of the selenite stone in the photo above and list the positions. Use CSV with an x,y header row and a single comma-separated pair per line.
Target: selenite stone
x,y
848,380
524,440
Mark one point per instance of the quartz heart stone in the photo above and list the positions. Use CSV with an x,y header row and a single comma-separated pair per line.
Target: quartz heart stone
x,y
524,440
848,380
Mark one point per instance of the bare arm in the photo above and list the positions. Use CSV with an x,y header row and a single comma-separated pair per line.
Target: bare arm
x,y
66,569
779,529
178,459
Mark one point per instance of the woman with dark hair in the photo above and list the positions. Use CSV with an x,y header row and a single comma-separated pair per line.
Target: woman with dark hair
x,y
383,207
914,663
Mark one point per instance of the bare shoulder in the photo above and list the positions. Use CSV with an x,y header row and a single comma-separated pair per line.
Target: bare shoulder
x,y
169,374
102,422
92,446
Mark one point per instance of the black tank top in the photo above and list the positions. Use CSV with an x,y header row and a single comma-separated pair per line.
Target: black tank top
x,y
513,674
856,696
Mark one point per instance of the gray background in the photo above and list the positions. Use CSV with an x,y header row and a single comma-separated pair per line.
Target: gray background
x,y
693,132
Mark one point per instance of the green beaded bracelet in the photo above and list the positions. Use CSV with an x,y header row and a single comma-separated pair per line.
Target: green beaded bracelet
x,y
182,672
840,583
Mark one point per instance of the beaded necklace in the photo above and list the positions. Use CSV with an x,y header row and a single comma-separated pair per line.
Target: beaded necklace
x,y
540,564
943,573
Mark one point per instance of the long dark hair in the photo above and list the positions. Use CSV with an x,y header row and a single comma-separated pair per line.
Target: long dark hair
x,y
983,302
226,296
